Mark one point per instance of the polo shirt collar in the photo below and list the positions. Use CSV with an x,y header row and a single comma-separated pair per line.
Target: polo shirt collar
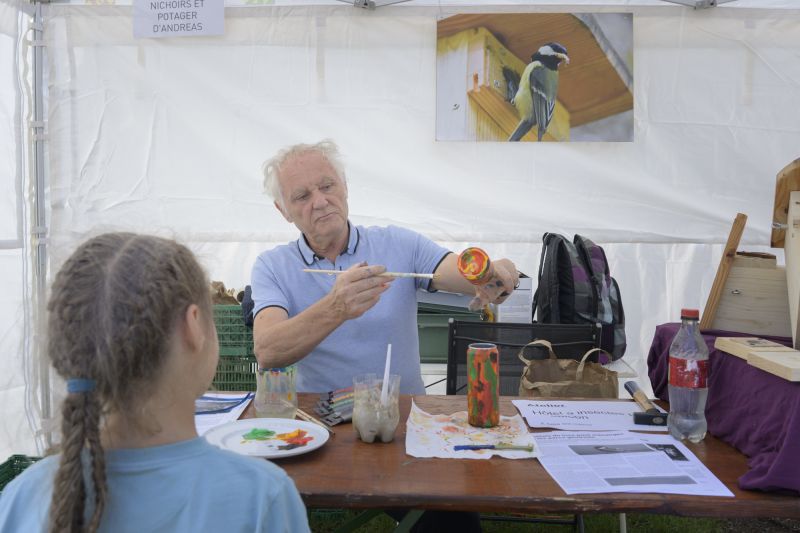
x,y
308,255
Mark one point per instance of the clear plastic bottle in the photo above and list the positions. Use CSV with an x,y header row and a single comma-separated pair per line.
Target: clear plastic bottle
x,y
688,380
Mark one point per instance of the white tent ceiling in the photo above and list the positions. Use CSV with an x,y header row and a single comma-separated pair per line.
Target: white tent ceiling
x,y
168,136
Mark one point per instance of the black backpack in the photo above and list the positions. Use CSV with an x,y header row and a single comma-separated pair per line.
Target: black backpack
x,y
576,287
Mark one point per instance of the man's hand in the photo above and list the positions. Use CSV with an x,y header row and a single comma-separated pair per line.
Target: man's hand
x,y
357,290
499,287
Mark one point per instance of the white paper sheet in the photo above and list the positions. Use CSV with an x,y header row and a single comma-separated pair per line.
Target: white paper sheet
x,y
582,415
430,435
584,462
207,421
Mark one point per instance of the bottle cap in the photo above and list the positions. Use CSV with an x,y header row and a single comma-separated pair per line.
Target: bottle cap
x,y
690,313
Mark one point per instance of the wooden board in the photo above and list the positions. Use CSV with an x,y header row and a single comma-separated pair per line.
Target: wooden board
x,y
742,346
792,255
728,255
788,180
754,299
589,87
782,364
755,260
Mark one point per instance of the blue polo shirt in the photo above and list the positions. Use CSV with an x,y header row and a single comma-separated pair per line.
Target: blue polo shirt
x,y
358,346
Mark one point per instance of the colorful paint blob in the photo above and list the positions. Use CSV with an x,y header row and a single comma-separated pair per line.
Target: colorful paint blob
x,y
296,438
483,385
258,434
293,439
475,266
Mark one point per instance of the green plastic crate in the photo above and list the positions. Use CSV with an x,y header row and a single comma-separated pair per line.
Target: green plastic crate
x,y
14,467
432,325
234,337
237,366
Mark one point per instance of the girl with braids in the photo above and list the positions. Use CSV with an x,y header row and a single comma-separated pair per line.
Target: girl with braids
x,y
130,329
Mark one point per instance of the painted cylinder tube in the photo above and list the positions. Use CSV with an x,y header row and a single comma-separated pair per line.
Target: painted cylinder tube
x,y
474,265
483,385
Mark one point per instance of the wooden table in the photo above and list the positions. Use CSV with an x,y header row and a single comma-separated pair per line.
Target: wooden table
x,y
347,473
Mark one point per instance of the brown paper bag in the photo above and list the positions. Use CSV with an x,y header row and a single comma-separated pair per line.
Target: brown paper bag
x,y
565,378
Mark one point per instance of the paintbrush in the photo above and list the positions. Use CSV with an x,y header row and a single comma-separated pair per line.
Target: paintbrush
x,y
307,417
385,274
498,446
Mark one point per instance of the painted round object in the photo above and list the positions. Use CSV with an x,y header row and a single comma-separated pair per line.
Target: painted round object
x,y
475,266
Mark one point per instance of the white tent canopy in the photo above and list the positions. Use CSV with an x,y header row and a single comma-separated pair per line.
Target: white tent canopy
x,y
168,136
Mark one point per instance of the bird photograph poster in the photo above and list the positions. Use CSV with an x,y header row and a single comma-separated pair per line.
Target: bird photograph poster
x,y
532,77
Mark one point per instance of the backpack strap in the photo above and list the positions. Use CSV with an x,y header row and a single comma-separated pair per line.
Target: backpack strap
x,y
546,296
620,343
535,303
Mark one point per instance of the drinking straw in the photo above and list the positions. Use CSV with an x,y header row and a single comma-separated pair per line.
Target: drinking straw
x,y
385,387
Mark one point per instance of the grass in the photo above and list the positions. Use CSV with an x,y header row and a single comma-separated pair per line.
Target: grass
x,y
327,520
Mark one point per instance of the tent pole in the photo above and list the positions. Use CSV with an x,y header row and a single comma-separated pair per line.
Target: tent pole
x,y
39,231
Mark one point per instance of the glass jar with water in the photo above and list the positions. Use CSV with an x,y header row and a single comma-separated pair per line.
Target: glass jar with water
x,y
276,396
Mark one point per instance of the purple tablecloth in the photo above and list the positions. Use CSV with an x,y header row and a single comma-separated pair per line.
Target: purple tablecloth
x,y
753,411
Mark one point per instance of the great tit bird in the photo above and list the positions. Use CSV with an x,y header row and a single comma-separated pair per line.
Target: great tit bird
x,y
536,96
512,83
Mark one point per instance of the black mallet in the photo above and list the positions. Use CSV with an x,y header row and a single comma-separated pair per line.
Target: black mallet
x,y
651,415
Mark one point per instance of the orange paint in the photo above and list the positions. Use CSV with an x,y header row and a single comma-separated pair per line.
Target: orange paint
x,y
474,265
297,437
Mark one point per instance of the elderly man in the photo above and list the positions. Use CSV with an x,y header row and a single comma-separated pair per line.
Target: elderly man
x,y
336,326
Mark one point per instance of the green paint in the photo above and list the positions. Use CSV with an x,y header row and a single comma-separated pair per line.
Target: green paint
x,y
482,392
258,434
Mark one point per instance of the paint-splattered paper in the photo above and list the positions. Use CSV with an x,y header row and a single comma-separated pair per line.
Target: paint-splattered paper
x,y
430,435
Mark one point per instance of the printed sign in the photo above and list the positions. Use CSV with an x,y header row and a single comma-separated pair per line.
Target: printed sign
x,y
177,18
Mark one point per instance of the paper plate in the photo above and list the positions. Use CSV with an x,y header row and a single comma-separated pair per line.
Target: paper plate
x,y
272,438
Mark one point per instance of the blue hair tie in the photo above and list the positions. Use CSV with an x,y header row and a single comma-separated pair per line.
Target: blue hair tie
x,y
80,385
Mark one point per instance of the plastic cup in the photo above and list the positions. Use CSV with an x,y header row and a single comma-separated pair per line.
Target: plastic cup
x,y
372,420
276,396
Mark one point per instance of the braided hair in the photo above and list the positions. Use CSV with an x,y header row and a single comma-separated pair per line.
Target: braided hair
x,y
113,309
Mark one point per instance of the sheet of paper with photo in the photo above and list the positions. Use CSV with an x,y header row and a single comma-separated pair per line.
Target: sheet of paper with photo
x,y
583,415
586,462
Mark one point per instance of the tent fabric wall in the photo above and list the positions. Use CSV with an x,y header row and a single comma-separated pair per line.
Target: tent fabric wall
x,y
168,136
16,435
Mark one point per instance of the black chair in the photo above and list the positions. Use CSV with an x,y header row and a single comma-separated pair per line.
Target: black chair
x,y
568,340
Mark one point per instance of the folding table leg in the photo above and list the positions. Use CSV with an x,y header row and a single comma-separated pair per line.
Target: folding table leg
x,y
408,521
579,523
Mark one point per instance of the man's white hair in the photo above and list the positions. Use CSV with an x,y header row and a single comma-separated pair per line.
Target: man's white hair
x,y
272,166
